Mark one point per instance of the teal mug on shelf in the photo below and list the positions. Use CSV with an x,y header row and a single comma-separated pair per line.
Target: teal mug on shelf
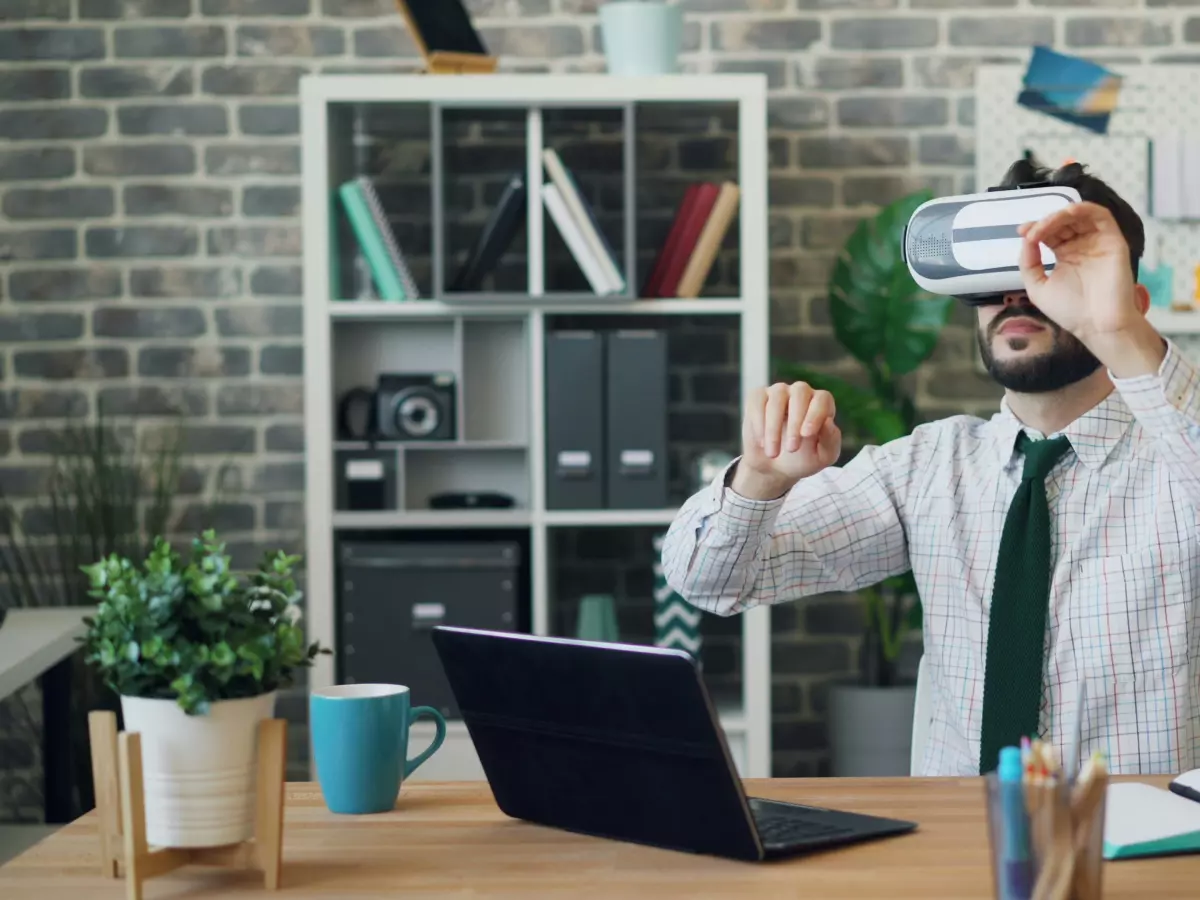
x,y
360,744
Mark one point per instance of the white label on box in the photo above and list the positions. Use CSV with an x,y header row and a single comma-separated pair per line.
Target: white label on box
x,y
364,469
574,459
639,458
424,611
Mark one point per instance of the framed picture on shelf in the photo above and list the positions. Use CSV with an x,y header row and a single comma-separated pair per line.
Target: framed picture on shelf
x,y
446,37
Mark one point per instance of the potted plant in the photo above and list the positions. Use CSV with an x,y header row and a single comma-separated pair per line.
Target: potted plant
x,y
196,654
641,37
890,326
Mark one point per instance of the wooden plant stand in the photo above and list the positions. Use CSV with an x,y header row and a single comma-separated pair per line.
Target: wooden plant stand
x,y
460,64
121,807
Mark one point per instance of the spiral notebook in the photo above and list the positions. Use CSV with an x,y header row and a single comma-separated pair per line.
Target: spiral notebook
x,y
1143,820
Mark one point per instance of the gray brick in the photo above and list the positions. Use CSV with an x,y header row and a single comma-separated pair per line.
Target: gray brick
x,y
36,164
716,387
774,69
892,112
180,120
153,80
876,190
30,10
840,73
793,657
835,152
961,4
281,360
40,326
252,159
71,44
219,439
60,284
23,481
1102,31
1092,3
269,120
707,153
284,515
58,203
357,9
133,10
124,160
255,7
193,362
176,200
169,41
37,243
943,71
250,80
828,232
255,241
783,34
260,321
845,4
384,42
946,150
546,41
798,113
42,403
277,281
779,152
190,282
1001,31
703,427
148,322
260,399
884,33
285,438
142,240
153,400
52,123
29,85
274,41
224,517
71,365
268,201
800,191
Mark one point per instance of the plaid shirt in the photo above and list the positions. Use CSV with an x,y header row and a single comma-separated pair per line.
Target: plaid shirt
x,y
1126,573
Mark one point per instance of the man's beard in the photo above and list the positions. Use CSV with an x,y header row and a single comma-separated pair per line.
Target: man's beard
x,y
1067,362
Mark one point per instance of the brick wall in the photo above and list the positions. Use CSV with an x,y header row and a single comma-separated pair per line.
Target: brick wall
x,y
149,162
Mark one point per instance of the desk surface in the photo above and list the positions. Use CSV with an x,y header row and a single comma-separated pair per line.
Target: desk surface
x,y
449,840
33,640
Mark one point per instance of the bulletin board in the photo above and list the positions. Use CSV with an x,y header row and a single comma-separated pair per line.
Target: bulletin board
x,y
1155,101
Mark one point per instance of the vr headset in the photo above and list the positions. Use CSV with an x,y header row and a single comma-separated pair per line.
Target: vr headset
x,y
967,246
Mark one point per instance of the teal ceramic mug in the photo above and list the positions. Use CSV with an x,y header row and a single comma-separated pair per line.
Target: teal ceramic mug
x,y
360,744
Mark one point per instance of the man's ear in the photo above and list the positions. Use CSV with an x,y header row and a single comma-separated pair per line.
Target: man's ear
x,y
1141,297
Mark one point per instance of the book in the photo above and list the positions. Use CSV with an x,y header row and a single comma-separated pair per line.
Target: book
x,y
582,214
654,279
396,257
1143,820
372,242
689,235
495,236
568,227
709,243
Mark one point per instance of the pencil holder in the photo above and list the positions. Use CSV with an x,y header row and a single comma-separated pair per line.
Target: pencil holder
x,y
1046,839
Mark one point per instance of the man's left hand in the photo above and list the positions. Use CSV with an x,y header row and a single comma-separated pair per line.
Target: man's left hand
x,y
1091,291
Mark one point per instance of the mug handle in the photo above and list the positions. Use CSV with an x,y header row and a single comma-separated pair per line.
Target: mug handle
x,y
410,765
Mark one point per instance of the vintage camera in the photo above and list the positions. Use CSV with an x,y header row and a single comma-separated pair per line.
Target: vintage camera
x,y
415,407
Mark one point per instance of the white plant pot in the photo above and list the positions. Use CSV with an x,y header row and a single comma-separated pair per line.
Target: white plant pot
x,y
199,771
870,730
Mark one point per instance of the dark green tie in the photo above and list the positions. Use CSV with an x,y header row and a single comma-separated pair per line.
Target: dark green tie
x,y
1012,687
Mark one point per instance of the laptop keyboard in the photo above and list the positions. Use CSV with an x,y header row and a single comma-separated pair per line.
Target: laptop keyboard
x,y
781,827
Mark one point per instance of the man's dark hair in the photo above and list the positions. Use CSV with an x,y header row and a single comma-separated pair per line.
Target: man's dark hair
x,y
1029,171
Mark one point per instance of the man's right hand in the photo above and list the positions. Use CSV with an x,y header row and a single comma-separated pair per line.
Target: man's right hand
x,y
788,433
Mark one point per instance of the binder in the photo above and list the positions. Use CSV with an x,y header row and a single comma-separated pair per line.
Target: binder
x,y
636,419
372,241
574,420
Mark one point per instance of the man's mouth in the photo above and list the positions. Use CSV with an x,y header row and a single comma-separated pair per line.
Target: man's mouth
x,y
1021,326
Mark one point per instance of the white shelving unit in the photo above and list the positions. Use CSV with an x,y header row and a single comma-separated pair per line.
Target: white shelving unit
x,y
344,338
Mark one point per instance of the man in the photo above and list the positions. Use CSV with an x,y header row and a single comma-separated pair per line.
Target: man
x,y
1053,544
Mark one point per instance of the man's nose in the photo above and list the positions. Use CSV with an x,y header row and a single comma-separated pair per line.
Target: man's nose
x,y
1016,298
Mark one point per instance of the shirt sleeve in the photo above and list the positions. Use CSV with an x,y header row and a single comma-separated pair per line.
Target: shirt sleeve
x,y
1167,405
838,530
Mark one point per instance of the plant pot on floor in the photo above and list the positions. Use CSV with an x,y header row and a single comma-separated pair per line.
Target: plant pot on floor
x,y
199,770
870,729
641,37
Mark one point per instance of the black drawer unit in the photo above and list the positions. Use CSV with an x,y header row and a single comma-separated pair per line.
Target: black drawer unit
x,y
392,594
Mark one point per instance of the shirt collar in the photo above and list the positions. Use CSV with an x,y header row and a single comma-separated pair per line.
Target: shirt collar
x,y
1093,436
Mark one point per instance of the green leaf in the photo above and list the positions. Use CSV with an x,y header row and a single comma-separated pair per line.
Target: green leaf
x,y
879,313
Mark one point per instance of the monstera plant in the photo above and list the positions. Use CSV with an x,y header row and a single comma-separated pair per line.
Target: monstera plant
x,y
890,326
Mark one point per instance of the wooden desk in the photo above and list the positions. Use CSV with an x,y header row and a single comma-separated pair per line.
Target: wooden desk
x,y
449,840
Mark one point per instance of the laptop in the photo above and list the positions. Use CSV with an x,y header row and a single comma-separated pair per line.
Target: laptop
x,y
622,742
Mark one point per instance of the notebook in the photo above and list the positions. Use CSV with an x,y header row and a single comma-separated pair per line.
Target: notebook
x,y
1142,820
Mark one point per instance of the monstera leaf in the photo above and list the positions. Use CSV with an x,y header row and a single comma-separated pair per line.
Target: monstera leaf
x,y
879,313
